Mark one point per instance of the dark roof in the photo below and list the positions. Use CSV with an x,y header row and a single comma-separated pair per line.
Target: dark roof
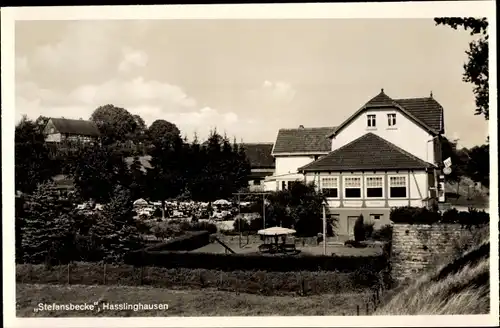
x,y
77,127
380,100
259,175
259,154
303,140
426,112
368,152
144,160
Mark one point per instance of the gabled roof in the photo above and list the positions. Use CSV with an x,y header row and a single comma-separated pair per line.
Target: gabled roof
x,y
368,152
426,112
303,140
76,127
259,154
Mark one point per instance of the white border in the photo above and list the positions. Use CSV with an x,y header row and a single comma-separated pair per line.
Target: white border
x,y
259,11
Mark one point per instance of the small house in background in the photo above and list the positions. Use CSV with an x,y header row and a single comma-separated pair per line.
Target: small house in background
x,y
58,130
261,163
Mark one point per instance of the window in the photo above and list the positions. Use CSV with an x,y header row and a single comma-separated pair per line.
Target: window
x,y
283,185
375,216
256,182
329,187
352,187
371,121
391,119
374,187
397,187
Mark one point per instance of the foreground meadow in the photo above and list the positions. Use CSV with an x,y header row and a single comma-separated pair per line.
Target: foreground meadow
x,y
207,302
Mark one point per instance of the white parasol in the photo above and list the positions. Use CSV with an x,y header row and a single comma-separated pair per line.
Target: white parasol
x,y
276,231
222,202
140,202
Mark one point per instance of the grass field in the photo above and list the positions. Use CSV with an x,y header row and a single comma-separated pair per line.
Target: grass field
x,y
207,302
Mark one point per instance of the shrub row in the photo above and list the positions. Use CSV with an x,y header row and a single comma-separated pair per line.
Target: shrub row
x,y
418,215
191,240
231,262
256,282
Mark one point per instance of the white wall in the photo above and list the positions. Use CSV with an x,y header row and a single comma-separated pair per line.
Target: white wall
x,y
418,185
406,134
290,164
55,137
417,188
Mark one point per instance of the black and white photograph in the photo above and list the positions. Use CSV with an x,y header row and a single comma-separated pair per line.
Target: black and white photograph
x,y
300,168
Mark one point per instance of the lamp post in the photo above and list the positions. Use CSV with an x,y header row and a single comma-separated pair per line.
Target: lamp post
x,y
264,209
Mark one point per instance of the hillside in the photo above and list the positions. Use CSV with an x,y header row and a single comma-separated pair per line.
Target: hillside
x,y
459,287
466,193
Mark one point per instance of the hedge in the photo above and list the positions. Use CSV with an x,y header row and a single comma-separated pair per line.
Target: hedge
x,y
231,262
419,215
191,240
256,282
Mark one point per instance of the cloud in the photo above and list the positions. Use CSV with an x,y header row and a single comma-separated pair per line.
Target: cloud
x,y
278,91
22,66
132,59
150,99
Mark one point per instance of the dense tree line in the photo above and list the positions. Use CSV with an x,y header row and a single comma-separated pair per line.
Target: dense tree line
x,y
207,171
468,162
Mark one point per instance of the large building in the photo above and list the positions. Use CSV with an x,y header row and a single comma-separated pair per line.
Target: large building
x,y
58,130
387,154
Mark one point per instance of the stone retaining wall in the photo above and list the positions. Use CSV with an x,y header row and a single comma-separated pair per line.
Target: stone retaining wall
x,y
416,247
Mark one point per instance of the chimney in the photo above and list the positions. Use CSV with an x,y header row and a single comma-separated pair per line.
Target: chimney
x,y
301,126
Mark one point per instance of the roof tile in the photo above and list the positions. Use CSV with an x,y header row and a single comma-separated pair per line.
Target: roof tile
x,y
303,140
368,152
427,110
76,127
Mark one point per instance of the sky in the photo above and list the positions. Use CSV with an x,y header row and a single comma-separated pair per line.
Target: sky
x,y
246,78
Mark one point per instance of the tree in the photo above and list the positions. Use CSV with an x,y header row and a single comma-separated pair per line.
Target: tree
x,y
359,229
162,133
478,166
116,232
476,68
48,229
457,156
137,179
33,164
116,124
300,208
96,171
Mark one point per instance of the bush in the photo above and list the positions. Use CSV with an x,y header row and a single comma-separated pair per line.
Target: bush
x,y
359,229
368,227
157,256
157,213
417,215
383,234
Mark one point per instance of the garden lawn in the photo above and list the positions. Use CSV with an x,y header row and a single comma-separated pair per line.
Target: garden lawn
x,y
206,302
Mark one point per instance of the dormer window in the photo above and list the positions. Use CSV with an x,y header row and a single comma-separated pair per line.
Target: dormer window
x,y
371,122
391,120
